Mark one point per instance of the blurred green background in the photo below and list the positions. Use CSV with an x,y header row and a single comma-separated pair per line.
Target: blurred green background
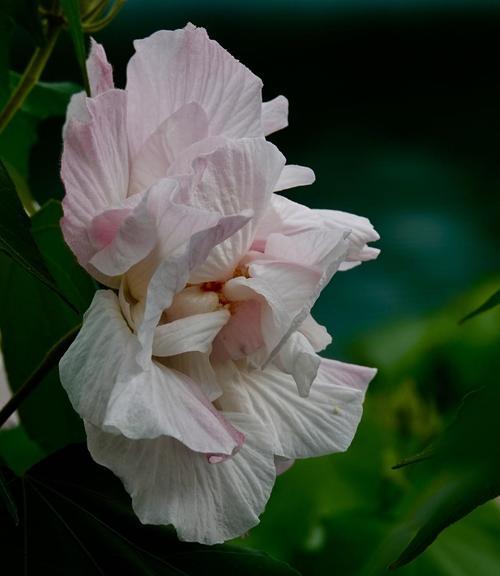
x,y
396,107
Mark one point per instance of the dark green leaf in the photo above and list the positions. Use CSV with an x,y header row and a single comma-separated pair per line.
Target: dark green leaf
x,y
77,520
70,277
71,10
15,236
25,14
32,320
493,300
464,471
7,499
18,450
47,99
6,30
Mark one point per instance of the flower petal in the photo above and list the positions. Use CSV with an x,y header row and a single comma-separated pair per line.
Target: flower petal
x,y
186,126
94,168
297,358
316,333
274,115
172,68
238,176
323,423
190,334
293,176
169,484
108,389
99,70
5,395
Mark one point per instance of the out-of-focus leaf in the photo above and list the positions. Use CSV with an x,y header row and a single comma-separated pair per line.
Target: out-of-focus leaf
x,y
7,499
25,14
70,277
47,99
71,10
6,30
465,471
17,449
15,236
77,519
33,320
493,300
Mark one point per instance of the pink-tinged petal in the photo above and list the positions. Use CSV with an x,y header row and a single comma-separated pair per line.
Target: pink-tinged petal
x,y
171,274
99,70
297,358
173,68
5,396
239,176
284,289
169,484
316,333
186,126
94,168
293,176
108,388
197,366
191,334
282,464
323,423
242,335
274,115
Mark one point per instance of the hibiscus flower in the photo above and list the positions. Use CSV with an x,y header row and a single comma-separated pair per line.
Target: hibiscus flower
x,y
197,374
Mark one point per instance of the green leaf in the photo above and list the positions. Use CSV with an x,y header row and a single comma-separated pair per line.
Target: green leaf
x,y
464,471
32,322
8,501
6,31
77,519
71,10
47,99
17,449
493,300
25,14
15,236
70,277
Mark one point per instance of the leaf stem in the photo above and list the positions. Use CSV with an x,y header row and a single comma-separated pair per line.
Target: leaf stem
x,y
32,74
50,360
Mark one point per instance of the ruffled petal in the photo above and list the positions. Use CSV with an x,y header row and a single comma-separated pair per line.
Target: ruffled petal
x,y
99,69
323,423
94,168
191,334
169,484
274,115
316,333
293,176
173,68
109,390
236,177
186,126
297,358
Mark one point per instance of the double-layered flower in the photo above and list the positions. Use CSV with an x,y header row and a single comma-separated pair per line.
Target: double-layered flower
x,y
197,372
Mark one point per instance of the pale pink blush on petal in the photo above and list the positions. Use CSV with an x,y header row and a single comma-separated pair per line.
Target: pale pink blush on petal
x,y
274,115
99,69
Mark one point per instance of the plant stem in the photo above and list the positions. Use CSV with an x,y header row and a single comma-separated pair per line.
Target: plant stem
x,y
31,75
51,359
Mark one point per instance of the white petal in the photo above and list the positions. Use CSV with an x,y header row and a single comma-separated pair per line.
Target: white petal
x,y
198,367
191,334
108,389
172,68
239,176
169,484
293,176
315,333
325,422
186,126
282,464
274,115
94,168
297,358
99,69
284,288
